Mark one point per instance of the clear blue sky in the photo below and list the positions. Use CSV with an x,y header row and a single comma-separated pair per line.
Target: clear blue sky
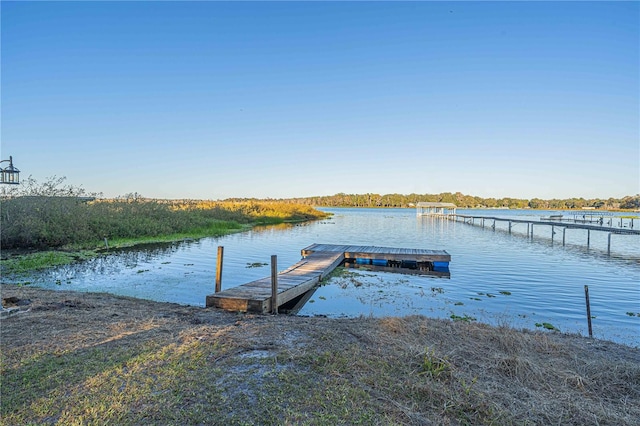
x,y
281,99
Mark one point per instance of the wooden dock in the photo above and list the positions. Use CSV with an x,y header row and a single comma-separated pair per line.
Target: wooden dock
x,y
318,261
552,222
371,252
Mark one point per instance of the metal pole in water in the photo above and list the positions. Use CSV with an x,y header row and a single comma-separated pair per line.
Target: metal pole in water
x,y
588,237
274,284
563,234
219,269
609,244
586,296
509,226
553,232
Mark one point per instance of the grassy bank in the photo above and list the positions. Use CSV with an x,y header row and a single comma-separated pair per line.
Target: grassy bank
x,y
43,224
73,358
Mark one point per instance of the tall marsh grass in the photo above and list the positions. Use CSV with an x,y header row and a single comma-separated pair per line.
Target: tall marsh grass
x,y
54,222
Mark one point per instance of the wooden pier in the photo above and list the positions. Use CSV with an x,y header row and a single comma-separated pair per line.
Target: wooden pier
x,y
318,260
471,220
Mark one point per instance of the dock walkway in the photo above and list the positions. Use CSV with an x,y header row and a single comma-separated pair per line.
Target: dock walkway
x,y
552,222
318,261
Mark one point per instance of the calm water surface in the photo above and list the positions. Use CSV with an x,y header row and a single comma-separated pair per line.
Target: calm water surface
x,y
496,277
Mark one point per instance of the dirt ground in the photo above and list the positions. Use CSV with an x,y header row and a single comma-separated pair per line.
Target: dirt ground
x,y
436,371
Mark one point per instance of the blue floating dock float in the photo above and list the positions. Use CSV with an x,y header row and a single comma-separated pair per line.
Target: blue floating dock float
x,y
440,266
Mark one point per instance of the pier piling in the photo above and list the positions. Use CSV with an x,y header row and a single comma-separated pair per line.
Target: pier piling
x,y
274,284
586,296
219,269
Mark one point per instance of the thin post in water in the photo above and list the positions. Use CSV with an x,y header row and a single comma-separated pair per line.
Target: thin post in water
x,y
586,296
219,269
274,284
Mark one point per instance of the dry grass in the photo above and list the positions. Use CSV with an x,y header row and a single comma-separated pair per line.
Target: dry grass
x,y
73,358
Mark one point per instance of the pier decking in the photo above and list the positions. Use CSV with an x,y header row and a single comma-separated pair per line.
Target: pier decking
x,y
318,261
371,252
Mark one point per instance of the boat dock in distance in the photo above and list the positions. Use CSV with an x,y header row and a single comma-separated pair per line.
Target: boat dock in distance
x,y
318,261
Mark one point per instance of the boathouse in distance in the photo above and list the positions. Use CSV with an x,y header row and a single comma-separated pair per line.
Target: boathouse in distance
x,y
435,209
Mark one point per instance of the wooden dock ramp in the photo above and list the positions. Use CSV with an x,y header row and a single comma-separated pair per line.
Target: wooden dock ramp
x,y
318,261
255,296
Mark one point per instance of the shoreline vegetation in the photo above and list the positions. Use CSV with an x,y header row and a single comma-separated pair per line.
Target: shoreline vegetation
x,y
40,231
94,358
627,203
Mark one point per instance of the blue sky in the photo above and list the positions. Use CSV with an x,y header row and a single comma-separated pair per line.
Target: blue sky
x,y
212,100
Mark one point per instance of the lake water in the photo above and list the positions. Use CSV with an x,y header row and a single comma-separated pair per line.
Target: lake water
x,y
496,277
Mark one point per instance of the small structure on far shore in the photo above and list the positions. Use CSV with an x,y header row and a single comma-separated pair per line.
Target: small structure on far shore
x,y
435,209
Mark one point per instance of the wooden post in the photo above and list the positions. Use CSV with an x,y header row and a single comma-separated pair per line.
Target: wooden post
x,y
588,237
219,269
509,226
553,232
564,230
586,296
532,231
609,244
274,284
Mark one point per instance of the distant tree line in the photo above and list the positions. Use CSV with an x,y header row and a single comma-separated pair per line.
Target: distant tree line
x,y
466,201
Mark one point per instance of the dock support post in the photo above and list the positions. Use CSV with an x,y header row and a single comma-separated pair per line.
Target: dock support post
x,y
483,223
609,244
509,226
588,237
564,230
586,296
532,231
553,232
219,269
494,225
274,284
